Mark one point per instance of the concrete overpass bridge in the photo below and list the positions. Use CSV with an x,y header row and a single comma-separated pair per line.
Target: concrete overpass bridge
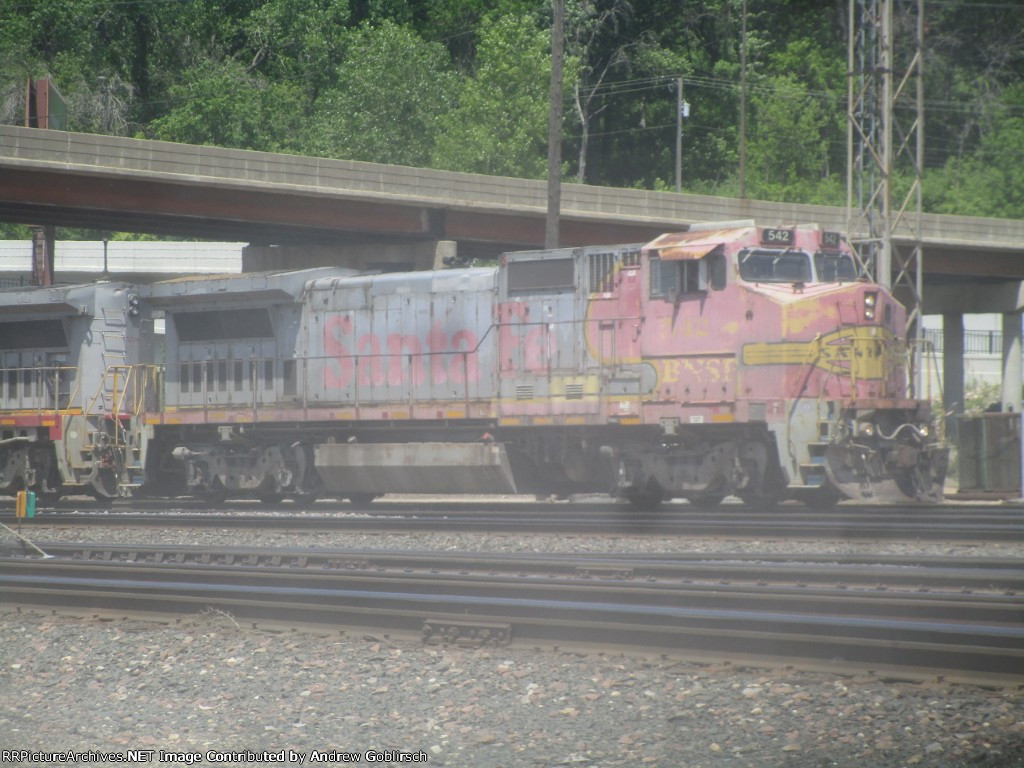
x,y
117,184
305,211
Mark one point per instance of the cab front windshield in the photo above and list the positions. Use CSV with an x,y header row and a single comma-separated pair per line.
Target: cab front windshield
x,y
835,268
792,266
762,266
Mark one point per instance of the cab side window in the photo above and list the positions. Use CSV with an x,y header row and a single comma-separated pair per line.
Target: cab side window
x,y
670,279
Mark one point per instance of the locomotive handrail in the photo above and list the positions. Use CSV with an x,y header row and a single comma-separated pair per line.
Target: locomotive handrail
x,y
131,386
930,354
814,345
257,395
43,394
139,382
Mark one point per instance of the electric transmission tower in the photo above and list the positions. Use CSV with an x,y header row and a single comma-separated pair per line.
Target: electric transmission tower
x,y
885,151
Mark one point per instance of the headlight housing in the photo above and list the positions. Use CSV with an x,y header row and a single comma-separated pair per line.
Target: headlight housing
x,y
870,304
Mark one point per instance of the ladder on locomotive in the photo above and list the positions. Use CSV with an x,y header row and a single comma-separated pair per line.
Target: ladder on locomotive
x,y
113,412
812,471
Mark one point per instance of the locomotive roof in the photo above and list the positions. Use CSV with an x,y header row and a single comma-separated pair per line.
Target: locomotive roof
x,y
256,286
695,244
58,299
429,281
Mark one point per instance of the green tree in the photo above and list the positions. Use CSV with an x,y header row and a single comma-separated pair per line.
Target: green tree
x,y
298,41
457,24
392,91
302,75
16,67
221,103
103,106
788,148
500,124
988,182
57,32
592,29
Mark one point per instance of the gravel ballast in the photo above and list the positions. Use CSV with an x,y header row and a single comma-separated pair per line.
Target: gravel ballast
x,y
511,543
206,686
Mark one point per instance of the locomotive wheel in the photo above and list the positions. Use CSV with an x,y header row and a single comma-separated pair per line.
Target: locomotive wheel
x,y
104,485
305,500
270,499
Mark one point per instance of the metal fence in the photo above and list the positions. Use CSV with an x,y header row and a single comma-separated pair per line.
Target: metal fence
x,y
975,342
989,453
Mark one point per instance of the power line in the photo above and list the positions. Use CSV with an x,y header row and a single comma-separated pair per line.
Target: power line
x,y
639,85
969,6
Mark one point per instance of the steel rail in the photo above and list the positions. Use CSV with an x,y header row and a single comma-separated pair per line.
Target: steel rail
x,y
912,632
877,572
595,505
783,595
848,524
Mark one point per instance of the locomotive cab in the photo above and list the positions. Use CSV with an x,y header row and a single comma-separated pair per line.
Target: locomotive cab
x,y
779,359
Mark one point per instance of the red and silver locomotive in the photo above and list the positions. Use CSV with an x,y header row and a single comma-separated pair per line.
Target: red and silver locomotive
x,y
726,360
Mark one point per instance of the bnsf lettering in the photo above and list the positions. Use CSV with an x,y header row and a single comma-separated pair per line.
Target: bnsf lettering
x,y
395,359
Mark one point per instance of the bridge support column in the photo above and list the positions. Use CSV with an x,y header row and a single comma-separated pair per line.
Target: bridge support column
x,y
43,247
1012,363
953,362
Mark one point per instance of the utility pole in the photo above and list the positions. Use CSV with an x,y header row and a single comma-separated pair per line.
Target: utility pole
x,y
682,110
679,134
551,234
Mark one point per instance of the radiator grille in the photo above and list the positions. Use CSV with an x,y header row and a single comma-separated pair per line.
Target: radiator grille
x,y
524,391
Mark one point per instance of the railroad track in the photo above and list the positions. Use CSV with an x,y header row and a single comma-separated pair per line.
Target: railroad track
x,y
456,504
942,523
919,617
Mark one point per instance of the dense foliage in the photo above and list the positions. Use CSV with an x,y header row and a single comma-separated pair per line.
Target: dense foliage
x,y
463,85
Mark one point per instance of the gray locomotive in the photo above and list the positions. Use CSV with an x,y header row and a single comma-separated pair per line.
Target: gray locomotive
x,y
724,360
